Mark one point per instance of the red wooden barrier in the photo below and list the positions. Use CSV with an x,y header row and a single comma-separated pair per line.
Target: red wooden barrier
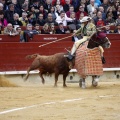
x,y
12,54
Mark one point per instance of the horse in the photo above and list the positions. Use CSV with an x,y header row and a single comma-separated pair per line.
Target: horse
x,y
98,39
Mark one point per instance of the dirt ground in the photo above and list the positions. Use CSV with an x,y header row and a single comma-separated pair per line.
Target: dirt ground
x,y
72,103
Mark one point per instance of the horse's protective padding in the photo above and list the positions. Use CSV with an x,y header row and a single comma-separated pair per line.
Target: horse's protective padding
x,y
88,61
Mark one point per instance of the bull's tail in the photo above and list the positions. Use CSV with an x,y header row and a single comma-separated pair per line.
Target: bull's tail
x,y
31,56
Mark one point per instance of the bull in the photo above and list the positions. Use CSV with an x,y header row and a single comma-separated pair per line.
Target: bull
x,y
56,63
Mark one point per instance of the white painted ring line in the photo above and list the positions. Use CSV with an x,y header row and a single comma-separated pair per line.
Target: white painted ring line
x,y
50,103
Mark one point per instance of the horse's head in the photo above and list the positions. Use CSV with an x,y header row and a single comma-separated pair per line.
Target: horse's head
x,y
99,39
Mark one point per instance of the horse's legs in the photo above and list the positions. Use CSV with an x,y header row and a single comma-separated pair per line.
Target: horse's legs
x,y
41,75
82,83
64,80
95,80
56,79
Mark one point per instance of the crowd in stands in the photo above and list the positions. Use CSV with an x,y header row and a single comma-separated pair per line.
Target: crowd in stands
x,y
55,16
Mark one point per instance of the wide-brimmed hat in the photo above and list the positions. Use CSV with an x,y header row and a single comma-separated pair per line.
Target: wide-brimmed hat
x,y
85,19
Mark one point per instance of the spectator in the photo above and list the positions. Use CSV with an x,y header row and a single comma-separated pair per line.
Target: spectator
x,y
109,19
81,10
59,4
107,30
117,30
16,22
31,20
91,6
52,11
93,15
117,3
9,13
61,29
29,33
45,29
5,4
33,11
118,20
98,2
50,20
78,21
75,37
52,29
43,11
1,7
35,4
118,10
63,18
17,7
71,9
99,21
20,33
9,30
40,20
37,29
105,5
48,5
58,11
101,9
66,6
3,21
25,9
24,19
76,4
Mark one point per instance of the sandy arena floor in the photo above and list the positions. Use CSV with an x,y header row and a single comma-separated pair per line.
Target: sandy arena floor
x,y
72,103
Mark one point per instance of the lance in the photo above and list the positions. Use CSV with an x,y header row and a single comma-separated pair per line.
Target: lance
x,y
55,41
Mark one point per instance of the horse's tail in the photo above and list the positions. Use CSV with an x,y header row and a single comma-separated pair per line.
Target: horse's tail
x,y
31,56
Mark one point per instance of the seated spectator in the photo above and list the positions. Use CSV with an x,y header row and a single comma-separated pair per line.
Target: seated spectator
x,y
29,33
33,11
107,30
76,4
71,9
3,21
118,10
63,18
78,21
48,5
81,10
45,29
43,11
117,3
35,4
57,2
24,9
117,30
4,5
16,22
20,33
9,30
91,6
37,29
105,5
1,7
61,29
109,19
57,11
75,37
66,6
101,9
31,20
93,15
9,13
99,21
52,11
17,7
24,19
118,20
50,20
40,20
98,2
52,29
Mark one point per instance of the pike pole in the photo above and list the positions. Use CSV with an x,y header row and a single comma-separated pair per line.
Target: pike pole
x,y
55,41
